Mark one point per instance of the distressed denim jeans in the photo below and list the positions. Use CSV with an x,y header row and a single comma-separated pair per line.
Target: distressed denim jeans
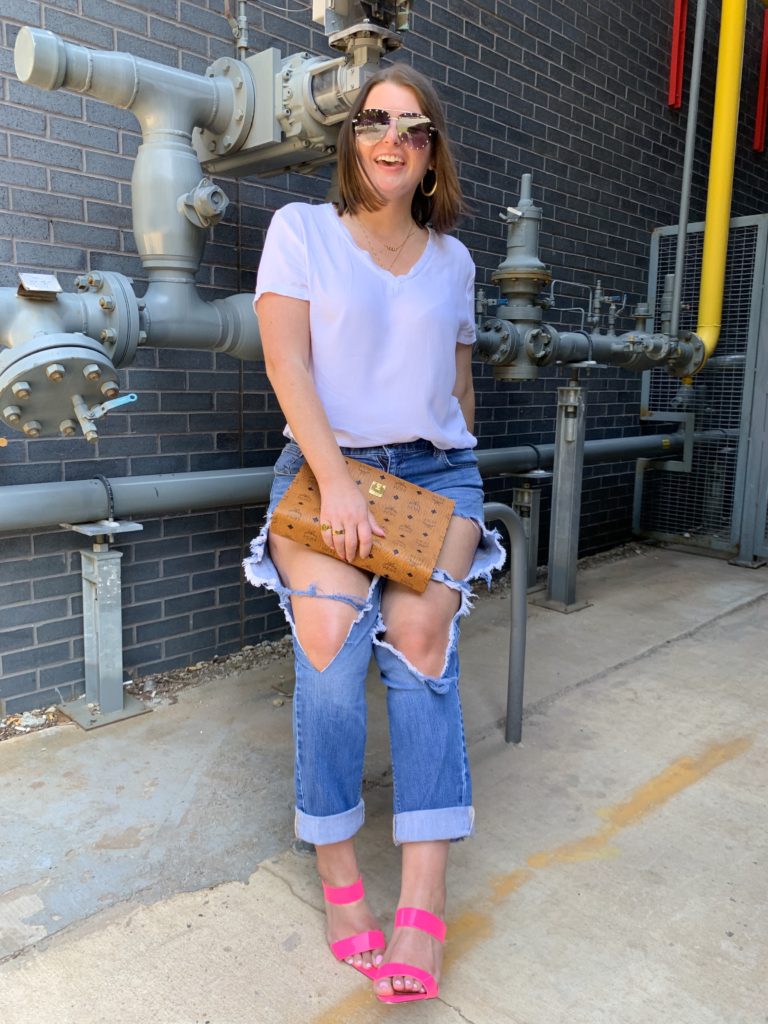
x,y
431,777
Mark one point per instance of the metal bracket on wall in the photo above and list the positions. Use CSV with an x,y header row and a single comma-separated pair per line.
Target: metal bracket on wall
x,y
684,465
104,700
526,501
686,419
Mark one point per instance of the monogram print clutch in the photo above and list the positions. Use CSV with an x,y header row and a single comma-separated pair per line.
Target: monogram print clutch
x,y
415,521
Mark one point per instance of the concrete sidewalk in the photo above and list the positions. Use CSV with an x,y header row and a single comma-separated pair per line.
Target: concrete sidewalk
x,y
618,874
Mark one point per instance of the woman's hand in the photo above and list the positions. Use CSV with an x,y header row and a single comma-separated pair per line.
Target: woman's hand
x,y
348,526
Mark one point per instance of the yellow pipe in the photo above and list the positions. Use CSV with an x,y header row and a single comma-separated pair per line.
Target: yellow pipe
x,y
720,189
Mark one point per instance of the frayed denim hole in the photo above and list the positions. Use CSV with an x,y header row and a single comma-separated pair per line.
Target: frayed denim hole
x,y
489,557
261,571
363,604
438,684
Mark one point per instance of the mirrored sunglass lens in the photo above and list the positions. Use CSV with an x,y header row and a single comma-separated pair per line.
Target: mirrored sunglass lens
x,y
414,129
372,124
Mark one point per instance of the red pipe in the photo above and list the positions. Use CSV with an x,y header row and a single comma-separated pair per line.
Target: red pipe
x,y
758,143
677,59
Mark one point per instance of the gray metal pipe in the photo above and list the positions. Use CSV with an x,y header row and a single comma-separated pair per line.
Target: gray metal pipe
x,y
613,449
690,146
635,350
173,203
518,558
158,96
515,349
32,506
174,312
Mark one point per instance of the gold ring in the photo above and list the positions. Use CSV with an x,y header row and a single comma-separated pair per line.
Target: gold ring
x,y
338,532
325,526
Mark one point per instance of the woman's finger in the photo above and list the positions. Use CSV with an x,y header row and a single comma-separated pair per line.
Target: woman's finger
x,y
365,539
375,526
339,534
350,543
326,532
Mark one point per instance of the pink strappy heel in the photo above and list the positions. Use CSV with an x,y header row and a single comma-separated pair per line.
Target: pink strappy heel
x,y
412,917
341,894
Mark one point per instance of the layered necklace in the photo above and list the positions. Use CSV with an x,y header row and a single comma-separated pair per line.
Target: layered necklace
x,y
378,248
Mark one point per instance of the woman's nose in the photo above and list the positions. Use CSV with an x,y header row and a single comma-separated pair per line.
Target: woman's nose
x,y
392,131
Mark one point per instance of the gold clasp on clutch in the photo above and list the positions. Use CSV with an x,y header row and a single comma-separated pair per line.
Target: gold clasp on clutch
x,y
377,489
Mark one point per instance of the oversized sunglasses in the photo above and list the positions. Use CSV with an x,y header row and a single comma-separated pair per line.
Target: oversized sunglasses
x,y
414,130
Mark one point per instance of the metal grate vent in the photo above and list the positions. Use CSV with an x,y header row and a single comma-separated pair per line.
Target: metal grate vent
x,y
700,503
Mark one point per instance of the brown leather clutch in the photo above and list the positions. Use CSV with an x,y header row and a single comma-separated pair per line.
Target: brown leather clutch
x,y
415,521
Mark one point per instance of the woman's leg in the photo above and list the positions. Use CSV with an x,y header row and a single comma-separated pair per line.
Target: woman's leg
x,y
419,664
332,642
337,866
422,885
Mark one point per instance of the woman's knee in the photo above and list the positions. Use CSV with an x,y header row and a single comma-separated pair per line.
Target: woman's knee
x,y
321,636
422,641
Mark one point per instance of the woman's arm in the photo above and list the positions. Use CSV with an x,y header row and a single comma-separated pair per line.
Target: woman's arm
x,y
284,327
464,389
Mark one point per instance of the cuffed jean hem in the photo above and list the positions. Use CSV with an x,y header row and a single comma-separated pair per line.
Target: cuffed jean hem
x,y
331,828
426,826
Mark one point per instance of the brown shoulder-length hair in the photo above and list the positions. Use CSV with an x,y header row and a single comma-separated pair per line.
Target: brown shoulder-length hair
x,y
356,192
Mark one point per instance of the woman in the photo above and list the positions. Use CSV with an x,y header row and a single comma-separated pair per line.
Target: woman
x,y
366,316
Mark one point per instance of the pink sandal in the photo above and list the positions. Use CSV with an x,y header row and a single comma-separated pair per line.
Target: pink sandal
x,y
341,894
412,917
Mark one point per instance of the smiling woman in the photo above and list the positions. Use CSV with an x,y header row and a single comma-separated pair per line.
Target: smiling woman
x,y
438,200
366,311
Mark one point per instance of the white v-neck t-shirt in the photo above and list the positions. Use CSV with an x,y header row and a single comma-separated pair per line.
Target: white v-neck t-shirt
x,y
382,347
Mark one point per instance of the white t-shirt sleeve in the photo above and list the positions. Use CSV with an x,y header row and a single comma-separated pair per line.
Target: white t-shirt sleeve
x,y
467,333
283,265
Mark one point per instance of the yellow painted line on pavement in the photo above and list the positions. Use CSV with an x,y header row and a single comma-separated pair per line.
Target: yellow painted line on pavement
x,y
681,774
469,928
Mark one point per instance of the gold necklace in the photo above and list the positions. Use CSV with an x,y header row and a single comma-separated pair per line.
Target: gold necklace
x,y
396,249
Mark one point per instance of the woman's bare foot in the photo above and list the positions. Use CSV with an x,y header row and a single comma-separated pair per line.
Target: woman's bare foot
x,y
423,887
337,867
345,920
411,946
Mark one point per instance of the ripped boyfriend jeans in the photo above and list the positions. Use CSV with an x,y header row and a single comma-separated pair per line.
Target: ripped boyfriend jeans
x,y
431,777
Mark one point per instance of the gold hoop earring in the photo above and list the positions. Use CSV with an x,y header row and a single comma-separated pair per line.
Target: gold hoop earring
x,y
432,191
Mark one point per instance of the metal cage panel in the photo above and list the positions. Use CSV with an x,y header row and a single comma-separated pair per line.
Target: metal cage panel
x,y
704,506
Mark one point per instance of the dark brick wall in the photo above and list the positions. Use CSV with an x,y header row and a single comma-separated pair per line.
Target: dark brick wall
x,y
573,91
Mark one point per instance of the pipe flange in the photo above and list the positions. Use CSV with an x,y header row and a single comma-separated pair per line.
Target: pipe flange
x,y
690,358
540,343
121,340
540,277
231,137
497,342
39,402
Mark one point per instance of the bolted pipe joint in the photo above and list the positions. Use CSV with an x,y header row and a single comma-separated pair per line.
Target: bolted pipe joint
x,y
500,344
540,343
689,356
640,352
40,375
